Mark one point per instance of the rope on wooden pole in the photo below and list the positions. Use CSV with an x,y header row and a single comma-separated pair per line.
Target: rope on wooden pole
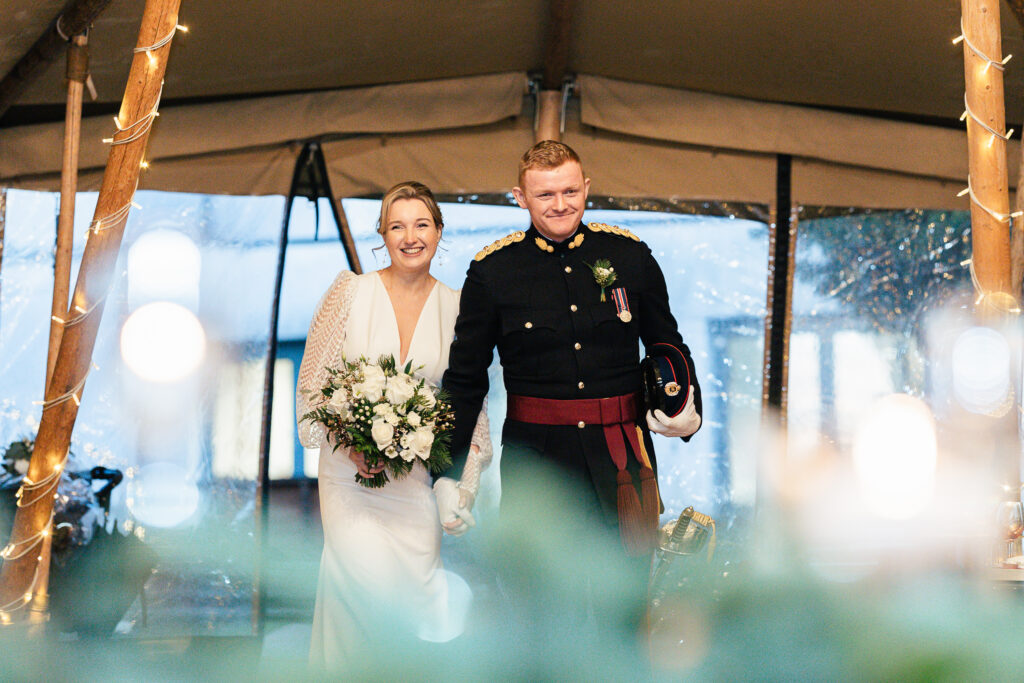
x,y
986,139
19,576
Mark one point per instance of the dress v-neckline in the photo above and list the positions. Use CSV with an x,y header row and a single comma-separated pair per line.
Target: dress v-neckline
x,y
394,317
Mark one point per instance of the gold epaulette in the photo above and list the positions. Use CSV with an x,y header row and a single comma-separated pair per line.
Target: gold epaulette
x,y
494,246
613,229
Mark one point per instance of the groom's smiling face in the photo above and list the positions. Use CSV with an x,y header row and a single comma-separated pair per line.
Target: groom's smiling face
x,y
411,235
555,198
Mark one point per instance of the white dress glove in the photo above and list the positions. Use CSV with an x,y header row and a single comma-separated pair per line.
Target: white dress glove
x,y
455,518
686,423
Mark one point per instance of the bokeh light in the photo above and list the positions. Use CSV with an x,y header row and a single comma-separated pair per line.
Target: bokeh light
x,y
894,456
981,370
164,265
162,494
162,342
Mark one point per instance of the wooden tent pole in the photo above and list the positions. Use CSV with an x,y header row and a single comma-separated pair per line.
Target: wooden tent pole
x,y
77,71
556,64
138,109
76,18
986,127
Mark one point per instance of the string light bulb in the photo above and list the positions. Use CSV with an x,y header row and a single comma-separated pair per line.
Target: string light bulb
x,y
989,62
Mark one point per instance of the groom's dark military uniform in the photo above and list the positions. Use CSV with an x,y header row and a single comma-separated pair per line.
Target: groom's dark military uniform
x,y
539,303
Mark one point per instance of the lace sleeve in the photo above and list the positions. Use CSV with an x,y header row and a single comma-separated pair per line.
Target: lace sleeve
x,y
324,345
477,462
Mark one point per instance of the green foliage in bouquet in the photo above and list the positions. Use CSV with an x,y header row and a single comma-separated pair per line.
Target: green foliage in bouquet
x,y
388,414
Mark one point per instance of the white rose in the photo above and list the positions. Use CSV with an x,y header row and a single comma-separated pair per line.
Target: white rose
x,y
372,386
414,419
382,433
338,402
428,396
21,466
400,389
420,442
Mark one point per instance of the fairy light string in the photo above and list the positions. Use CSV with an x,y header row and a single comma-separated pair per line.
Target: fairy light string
x,y
32,492
1005,218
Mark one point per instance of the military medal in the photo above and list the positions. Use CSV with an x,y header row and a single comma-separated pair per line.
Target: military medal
x,y
621,304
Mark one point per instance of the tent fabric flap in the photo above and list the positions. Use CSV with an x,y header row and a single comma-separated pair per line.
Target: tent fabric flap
x,y
251,123
723,122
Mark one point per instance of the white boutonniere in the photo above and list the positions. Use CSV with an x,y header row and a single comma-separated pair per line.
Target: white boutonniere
x,y
604,274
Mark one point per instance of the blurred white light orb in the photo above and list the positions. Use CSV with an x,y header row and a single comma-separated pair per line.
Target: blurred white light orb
x,y
164,265
894,456
161,495
981,370
162,342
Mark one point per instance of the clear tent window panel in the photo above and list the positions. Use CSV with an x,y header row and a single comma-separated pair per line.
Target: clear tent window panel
x,y
866,284
183,429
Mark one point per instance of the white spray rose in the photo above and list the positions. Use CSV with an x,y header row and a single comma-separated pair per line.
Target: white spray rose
x,y
400,389
414,419
339,402
382,433
391,451
428,396
372,386
407,454
420,442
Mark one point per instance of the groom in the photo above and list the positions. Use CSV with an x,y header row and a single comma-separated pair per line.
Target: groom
x,y
566,304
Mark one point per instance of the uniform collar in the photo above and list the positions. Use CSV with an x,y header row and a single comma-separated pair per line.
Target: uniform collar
x,y
548,246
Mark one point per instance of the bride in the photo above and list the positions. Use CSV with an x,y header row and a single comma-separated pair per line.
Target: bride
x,y
381,575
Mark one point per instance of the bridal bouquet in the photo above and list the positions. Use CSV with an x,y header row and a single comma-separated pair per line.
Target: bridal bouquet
x,y
387,414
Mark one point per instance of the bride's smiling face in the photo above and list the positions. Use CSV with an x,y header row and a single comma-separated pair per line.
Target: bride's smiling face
x,y
411,235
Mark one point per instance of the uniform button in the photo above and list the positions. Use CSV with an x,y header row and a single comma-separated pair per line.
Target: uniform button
x,y
573,308
568,269
580,385
577,346
581,424
528,325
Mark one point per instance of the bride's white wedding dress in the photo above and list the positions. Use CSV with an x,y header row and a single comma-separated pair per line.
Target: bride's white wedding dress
x,y
381,573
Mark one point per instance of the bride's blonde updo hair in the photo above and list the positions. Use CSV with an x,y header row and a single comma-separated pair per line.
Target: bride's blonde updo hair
x,y
410,189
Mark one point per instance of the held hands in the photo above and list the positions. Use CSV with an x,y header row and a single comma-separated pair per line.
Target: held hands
x,y
360,461
686,423
453,506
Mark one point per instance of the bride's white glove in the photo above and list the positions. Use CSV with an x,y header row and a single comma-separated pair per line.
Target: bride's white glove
x,y
686,423
453,506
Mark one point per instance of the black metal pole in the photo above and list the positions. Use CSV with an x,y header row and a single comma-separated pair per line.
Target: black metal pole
x,y
779,278
324,189
263,515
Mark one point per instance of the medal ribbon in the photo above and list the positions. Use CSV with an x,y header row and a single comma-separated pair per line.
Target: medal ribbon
x,y
621,302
